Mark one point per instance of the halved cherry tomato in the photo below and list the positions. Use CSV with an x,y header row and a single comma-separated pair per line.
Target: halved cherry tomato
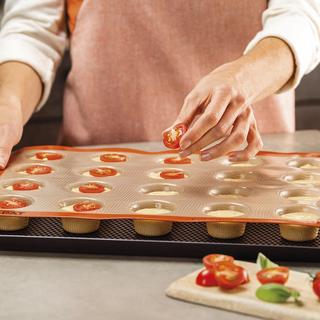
x,y
25,186
205,278
316,284
91,188
38,169
273,275
172,174
86,206
177,160
229,275
172,137
210,260
113,157
48,156
13,203
103,172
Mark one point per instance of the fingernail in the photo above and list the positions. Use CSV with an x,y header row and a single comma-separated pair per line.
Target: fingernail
x,y
2,163
184,153
185,144
205,156
233,158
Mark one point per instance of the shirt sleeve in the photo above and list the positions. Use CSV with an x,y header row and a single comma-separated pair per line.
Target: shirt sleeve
x,y
33,32
297,22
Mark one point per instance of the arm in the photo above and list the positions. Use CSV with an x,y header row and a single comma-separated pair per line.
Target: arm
x,y
32,41
275,60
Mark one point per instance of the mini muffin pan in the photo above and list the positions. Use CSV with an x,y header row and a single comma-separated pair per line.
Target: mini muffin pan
x,y
262,189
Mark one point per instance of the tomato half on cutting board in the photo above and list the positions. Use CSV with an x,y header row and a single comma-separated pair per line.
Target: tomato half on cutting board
x,y
91,188
25,186
172,137
113,157
205,278
38,169
177,160
316,284
13,203
103,172
86,206
210,260
273,275
48,156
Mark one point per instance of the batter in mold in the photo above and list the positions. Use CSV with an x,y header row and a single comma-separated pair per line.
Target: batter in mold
x,y
224,213
309,180
153,211
303,199
301,216
162,193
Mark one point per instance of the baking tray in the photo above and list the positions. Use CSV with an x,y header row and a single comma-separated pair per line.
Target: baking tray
x,y
190,239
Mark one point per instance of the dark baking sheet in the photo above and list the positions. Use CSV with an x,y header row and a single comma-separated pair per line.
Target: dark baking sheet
x,y
117,237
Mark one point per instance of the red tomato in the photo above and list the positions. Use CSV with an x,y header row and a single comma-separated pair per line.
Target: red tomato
x,y
316,284
205,278
273,275
172,174
38,169
177,160
48,156
113,157
103,172
86,206
25,186
229,275
91,188
210,260
13,203
172,137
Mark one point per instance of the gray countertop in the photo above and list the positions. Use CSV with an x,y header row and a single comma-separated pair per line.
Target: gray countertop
x,y
54,286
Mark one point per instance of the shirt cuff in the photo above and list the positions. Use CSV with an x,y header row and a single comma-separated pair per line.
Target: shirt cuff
x,y
292,28
21,49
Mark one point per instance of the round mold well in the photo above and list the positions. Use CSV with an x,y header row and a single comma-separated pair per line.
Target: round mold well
x,y
160,189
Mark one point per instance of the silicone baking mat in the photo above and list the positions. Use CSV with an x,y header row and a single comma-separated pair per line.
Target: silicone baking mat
x,y
117,237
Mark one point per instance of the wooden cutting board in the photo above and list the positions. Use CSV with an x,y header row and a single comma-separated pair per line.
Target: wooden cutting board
x,y
243,299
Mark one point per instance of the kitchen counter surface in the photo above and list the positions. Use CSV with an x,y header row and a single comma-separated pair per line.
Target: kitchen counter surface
x,y
58,286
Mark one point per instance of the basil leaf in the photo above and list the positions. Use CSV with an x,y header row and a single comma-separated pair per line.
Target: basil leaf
x,y
276,293
264,262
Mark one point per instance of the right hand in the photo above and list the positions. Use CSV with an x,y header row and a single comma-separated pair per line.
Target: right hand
x,y
11,128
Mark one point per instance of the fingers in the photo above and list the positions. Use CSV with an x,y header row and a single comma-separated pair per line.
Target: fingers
x,y
255,144
237,137
222,129
209,118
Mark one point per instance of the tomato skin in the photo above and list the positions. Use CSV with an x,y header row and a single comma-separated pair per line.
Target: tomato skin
x,y
113,157
278,275
229,275
48,156
13,203
210,260
205,278
177,160
86,206
25,186
38,169
103,172
91,188
316,284
172,174
172,137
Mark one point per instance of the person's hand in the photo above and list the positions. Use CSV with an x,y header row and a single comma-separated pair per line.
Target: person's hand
x,y
219,108
11,127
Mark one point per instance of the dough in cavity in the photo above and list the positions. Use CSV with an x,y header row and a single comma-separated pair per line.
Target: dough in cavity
x,y
153,211
224,213
301,216
162,193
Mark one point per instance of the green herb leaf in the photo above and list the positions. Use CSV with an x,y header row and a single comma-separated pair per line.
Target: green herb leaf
x,y
264,262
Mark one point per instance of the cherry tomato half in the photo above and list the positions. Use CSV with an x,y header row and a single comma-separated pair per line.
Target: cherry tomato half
x,y
103,172
172,137
113,157
38,169
91,188
273,275
172,174
48,156
25,186
210,260
13,203
86,206
229,275
205,278
177,160
316,284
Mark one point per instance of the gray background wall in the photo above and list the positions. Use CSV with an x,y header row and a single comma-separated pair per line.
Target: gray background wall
x,y
43,127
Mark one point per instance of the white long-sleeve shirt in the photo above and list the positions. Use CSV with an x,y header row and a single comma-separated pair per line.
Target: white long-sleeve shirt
x,y
34,32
